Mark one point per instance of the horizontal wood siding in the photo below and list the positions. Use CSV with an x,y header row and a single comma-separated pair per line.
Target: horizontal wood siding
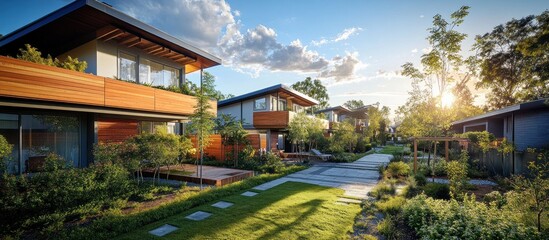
x,y
271,119
28,80
115,130
125,95
174,102
532,129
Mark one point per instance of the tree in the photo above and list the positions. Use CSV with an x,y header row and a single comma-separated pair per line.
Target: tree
x,y
514,61
378,119
344,136
208,86
232,133
353,104
202,124
423,113
314,89
298,130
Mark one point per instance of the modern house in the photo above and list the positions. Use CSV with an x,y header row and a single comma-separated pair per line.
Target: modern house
x,y
48,109
526,125
266,113
337,114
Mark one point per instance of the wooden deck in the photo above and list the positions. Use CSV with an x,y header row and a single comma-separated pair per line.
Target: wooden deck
x,y
216,176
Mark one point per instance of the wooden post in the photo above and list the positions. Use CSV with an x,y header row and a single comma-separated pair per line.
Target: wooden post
x,y
415,156
446,148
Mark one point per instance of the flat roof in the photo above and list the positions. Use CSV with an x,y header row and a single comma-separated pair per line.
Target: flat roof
x,y
336,108
80,21
502,111
272,89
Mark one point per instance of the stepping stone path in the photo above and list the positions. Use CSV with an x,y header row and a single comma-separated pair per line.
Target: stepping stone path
x,y
163,230
249,194
198,216
356,178
222,204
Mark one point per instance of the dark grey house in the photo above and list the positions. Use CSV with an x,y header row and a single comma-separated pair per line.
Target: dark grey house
x,y
526,125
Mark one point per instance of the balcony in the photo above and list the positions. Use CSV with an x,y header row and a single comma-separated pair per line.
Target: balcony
x,y
26,80
277,119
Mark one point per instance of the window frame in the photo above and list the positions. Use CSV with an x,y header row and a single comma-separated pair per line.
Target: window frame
x,y
264,102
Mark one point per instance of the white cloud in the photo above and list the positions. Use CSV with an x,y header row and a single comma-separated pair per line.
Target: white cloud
x,y
347,33
414,50
372,94
344,35
426,50
421,16
215,27
198,22
380,75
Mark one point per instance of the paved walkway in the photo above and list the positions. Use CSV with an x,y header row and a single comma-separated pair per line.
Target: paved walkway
x,y
356,178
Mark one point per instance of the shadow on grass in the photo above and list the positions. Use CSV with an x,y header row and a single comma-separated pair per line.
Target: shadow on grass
x,y
264,216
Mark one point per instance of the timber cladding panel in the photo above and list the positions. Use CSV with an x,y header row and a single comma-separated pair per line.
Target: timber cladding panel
x,y
271,119
218,151
115,130
128,95
28,80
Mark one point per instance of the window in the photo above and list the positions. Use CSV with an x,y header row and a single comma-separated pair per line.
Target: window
x,y
260,104
127,65
282,105
150,127
144,71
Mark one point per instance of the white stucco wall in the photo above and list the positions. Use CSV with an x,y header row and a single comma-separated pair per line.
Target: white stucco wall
x,y
85,52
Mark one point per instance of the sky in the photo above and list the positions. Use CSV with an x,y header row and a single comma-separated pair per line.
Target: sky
x,y
356,48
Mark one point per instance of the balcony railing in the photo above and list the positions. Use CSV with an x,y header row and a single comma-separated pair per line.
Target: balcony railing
x,y
26,80
277,119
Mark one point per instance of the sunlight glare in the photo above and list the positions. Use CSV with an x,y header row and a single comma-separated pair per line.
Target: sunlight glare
x,y
447,99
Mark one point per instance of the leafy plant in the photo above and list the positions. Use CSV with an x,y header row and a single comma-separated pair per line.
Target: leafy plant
x,y
32,54
397,170
437,190
535,190
457,176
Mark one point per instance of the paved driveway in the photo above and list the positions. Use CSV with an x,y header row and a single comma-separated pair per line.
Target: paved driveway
x,y
356,178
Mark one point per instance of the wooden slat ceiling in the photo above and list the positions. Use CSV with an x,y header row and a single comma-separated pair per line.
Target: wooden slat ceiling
x,y
111,33
295,99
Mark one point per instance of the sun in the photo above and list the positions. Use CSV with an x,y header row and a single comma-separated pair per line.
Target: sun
x,y
447,99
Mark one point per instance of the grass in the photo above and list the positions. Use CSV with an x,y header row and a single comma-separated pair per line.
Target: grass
x,y
392,150
288,211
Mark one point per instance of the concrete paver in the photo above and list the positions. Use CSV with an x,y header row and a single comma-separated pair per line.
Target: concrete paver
x,y
356,178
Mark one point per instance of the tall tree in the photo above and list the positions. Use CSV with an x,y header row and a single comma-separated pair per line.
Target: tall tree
x,y
208,87
314,89
423,113
353,104
202,124
514,61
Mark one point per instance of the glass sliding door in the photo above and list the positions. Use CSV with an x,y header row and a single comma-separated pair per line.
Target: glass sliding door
x,y
9,128
44,134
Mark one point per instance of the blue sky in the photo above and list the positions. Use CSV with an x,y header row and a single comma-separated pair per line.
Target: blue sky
x,y
355,47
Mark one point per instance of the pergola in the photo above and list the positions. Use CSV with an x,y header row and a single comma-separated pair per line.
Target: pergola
x,y
437,139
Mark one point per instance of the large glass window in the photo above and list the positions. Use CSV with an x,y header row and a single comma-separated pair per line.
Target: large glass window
x,y
127,67
171,76
9,128
150,127
260,104
150,73
44,134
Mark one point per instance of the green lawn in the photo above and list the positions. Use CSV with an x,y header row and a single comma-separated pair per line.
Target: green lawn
x,y
288,211
392,150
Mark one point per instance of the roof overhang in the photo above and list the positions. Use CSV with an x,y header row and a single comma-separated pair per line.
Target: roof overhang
x,y
84,20
281,89
505,111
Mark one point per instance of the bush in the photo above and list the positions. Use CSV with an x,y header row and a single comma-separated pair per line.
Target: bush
x,y
46,200
387,228
437,190
457,176
346,157
420,179
381,190
439,219
270,163
32,54
391,206
397,170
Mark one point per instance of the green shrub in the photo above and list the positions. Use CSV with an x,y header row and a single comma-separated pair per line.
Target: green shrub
x,y
391,206
420,179
439,219
437,190
397,170
457,177
32,54
382,190
270,163
387,228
